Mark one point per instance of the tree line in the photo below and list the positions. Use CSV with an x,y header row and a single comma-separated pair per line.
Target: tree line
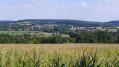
x,y
97,37
75,37
29,39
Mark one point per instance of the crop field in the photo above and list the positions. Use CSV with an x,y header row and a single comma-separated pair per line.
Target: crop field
x,y
59,55
110,30
22,32
113,30
39,33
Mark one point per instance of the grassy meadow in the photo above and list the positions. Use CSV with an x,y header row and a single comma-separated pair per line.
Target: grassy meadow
x,y
103,29
38,33
23,32
59,55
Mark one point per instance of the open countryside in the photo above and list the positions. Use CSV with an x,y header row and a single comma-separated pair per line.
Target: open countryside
x,y
59,33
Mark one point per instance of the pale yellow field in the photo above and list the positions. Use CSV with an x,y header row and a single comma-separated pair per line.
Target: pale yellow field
x,y
62,47
49,46
52,46
47,54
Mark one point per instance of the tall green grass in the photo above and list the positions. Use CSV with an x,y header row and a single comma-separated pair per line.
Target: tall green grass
x,y
44,58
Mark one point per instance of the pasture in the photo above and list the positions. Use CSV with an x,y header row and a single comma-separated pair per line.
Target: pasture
x,y
38,33
21,32
106,28
59,55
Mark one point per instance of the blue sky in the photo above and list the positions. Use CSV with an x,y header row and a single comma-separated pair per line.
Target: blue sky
x,y
89,10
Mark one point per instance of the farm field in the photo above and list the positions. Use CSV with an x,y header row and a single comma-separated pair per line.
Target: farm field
x,y
110,30
59,55
21,32
39,33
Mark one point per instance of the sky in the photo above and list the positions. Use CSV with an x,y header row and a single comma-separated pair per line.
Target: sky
x,y
88,10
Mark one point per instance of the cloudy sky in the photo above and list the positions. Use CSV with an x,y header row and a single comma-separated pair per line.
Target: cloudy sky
x,y
89,10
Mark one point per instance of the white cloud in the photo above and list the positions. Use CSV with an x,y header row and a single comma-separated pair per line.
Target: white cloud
x,y
107,0
28,6
84,4
52,7
73,4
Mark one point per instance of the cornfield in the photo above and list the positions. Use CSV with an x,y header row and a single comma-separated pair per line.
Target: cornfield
x,y
61,57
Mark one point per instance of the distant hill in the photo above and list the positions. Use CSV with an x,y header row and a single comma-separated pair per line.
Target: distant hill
x,y
56,21
112,22
63,21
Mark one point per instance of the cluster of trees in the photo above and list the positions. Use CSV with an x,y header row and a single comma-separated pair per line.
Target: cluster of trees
x,y
65,29
28,39
81,37
97,37
3,28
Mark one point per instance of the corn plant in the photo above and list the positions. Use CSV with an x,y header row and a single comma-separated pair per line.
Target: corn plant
x,y
43,58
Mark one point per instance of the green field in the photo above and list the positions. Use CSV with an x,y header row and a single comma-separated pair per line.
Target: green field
x,y
20,32
39,33
59,55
